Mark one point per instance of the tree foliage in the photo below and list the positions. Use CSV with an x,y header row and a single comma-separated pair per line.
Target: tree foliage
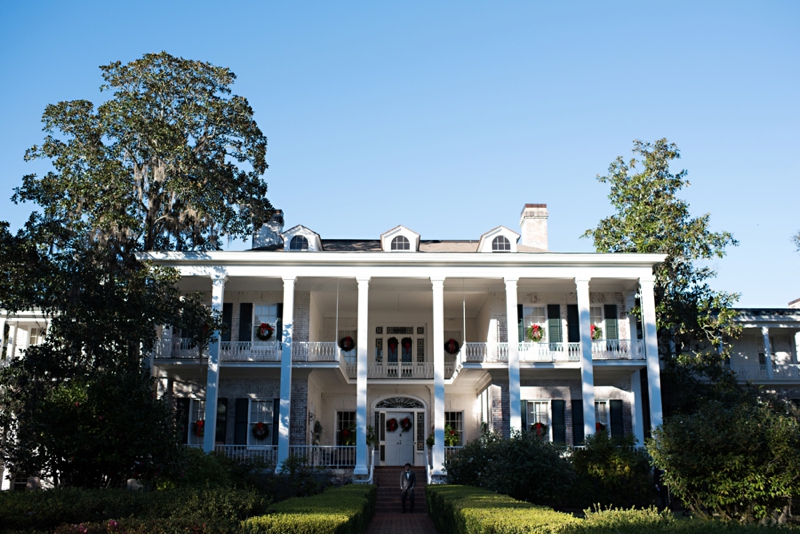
x,y
651,218
172,161
738,461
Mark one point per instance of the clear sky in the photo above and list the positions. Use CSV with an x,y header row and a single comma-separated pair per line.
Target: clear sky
x,y
447,117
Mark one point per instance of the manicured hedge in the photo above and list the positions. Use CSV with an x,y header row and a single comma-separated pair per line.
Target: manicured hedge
x,y
345,510
470,510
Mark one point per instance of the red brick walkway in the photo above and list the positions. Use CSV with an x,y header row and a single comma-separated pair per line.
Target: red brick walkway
x,y
395,523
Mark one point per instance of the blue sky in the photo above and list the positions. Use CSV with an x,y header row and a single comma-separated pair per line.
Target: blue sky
x,y
448,116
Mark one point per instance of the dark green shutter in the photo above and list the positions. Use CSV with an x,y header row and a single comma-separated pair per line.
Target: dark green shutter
x,y
227,321
573,324
222,421
612,331
559,421
182,420
615,414
240,426
276,419
639,329
279,323
523,413
554,323
577,422
246,321
520,324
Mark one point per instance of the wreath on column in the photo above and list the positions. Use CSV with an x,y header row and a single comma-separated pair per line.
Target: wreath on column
x,y
451,346
347,344
265,331
405,424
198,428
391,425
260,431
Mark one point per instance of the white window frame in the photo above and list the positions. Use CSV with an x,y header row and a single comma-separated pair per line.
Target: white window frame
x,y
533,415
257,322
531,316
458,427
197,412
597,318
251,422
607,409
499,241
299,237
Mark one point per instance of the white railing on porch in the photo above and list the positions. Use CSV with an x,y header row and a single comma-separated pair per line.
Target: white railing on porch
x,y
549,352
449,452
184,348
325,455
250,351
618,349
759,371
484,352
315,351
263,453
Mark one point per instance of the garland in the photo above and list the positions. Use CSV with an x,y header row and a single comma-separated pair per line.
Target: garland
x,y
264,332
406,424
391,424
199,428
260,431
597,332
535,333
347,344
451,346
540,429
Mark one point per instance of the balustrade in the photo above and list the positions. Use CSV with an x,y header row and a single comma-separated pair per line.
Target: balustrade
x,y
325,455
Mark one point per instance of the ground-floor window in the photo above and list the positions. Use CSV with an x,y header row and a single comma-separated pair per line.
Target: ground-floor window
x,y
454,429
345,428
261,422
608,417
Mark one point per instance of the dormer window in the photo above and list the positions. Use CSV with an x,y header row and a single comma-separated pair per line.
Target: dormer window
x,y
401,243
298,242
501,244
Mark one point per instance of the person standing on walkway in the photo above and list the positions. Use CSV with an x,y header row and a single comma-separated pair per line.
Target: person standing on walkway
x,y
407,482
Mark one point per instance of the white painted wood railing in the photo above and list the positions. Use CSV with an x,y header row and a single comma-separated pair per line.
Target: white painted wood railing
x,y
618,349
247,351
264,453
759,371
325,455
484,352
449,452
184,348
315,351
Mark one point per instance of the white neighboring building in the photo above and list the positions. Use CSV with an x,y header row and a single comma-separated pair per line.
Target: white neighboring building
x,y
439,333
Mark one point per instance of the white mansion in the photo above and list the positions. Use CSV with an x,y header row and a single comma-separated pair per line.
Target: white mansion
x,y
324,338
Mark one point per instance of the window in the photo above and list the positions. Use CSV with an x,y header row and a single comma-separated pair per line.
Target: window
x,y
298,242
345,428
608,413
455,422
501,244
261,416
538,412
197,421
401,243
265,313
601,415
37,336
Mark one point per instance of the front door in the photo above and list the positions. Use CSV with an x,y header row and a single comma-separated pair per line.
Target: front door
x,y
399,438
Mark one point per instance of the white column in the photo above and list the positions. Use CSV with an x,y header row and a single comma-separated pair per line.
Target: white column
x,y
3,331
513,354
637,414
630,304
587,367
797,347
212,380
648,304
767,351
438,375
361,377
11,348
284,417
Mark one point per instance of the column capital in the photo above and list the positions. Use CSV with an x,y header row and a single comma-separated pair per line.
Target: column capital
x,y
219,279
363,279
649,280
582,281
511,281
437,281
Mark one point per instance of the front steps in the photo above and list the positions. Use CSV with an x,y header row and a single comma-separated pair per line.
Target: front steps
x,y
389,495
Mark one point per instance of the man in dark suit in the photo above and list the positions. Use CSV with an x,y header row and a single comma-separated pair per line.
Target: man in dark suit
x,y
407,482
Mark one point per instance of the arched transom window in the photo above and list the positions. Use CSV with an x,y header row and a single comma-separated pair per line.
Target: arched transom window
x,y
399,402
401,243
298,242
501,244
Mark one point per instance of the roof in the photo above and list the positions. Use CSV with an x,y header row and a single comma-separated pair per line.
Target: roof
x,y
425,245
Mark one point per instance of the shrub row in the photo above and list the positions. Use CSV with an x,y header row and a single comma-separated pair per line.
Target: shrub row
x,y
345,510
210,510
470,510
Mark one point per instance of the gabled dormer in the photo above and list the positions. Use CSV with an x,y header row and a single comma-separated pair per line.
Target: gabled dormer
x,y
499,239
299,238
400,239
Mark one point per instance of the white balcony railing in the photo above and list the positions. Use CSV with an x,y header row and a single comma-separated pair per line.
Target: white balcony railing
x,y
315,351
484,352
325,455
549,352
264,453
618,349
184,348
247,351
759,371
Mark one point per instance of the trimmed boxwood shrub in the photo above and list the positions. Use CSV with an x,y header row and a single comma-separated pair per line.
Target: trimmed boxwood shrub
x,y
470,510
345,510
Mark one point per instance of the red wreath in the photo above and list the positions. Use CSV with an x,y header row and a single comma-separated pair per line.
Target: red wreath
x,y
264,332
392,343
406,343
539,428
199,427
347,344
599,427
391,424
451,346
406,424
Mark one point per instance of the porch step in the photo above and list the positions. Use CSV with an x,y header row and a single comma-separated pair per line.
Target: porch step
x,y
389,498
